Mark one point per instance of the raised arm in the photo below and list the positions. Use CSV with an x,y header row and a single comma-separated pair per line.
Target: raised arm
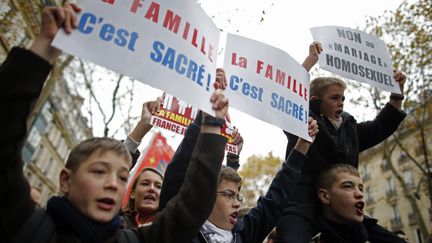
x,y
396,99
314,50
386,122
23,74
182,217
176,170
142,128
260,220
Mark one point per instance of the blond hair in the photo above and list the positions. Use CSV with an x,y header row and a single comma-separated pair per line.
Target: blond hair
x,y
318,86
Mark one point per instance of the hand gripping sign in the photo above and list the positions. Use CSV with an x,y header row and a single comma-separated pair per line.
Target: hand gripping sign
x,y
355,55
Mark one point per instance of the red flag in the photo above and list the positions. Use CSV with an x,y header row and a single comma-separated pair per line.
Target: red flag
x,y
157,155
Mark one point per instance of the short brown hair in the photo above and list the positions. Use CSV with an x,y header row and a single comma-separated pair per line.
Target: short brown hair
x,y
84,149
229,174
318,86
328,176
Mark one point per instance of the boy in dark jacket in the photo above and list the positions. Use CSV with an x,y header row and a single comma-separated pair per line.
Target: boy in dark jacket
x,y
223,224
340,140
94,180
340,191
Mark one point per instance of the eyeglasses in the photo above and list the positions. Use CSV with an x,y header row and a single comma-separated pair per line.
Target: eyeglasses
x,y
231,195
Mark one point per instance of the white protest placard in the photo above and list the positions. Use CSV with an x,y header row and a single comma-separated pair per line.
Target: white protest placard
x,y
355,55
175,115
267,83
171,45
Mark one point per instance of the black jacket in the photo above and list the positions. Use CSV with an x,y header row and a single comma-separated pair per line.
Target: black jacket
x,y
23,75
333,146
260,220
368,231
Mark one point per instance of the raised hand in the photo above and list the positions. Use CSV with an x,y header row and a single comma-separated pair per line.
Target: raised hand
x,y
221,81
53,19
400,79
314,50
396,99
143,127
238,140
302,145
219,104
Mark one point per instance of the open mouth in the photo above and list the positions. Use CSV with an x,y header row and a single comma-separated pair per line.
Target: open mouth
x,y
359,208
150,197
106,203
339,112
233,218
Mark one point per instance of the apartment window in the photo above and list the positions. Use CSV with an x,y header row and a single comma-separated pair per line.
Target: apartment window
x,y
46,112
47,166
369,198
34,137
42,156
395,212
367,175
391,189
385,165
395,221
418,236
390,185
408,177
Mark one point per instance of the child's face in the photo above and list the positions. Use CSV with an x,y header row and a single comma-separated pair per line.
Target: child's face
x,y
345,199
332,102
225,210
98,186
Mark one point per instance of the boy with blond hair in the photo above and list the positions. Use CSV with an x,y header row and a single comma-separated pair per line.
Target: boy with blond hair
x,y
340,140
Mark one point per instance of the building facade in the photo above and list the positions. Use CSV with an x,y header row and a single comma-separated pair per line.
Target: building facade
x,y
58,125
395,189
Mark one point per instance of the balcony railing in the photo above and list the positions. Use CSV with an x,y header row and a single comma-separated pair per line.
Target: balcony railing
x,y
391,193
412,219
396,223
385,166
410,185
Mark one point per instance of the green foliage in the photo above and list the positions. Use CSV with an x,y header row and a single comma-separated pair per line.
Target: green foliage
x,y
257,174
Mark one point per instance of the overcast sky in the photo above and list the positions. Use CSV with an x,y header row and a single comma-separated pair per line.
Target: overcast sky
x,y
283,24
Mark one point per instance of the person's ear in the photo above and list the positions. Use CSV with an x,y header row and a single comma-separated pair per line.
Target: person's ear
x,y
323,196
314,97
65,177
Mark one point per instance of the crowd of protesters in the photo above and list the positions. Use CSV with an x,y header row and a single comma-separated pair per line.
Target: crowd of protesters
x,y
317,195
